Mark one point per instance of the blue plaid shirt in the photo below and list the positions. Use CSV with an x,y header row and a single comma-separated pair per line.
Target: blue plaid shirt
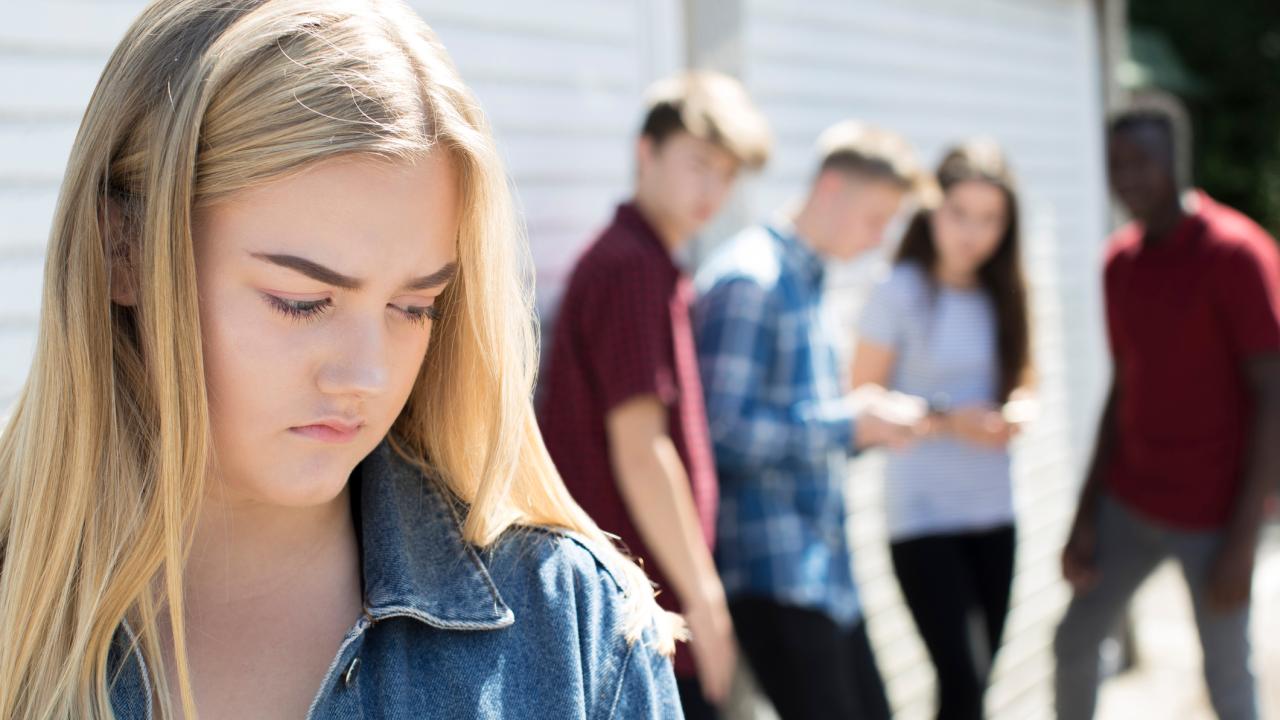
x,y
781,425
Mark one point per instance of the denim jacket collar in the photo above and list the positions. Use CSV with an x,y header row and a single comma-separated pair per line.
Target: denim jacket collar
x,y
415,560
415,564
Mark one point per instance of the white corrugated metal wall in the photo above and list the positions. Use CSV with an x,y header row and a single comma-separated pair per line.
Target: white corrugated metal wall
x,y
1026,73
562,84
561,80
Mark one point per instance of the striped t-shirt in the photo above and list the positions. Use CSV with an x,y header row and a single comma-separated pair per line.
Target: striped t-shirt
x,y
944,342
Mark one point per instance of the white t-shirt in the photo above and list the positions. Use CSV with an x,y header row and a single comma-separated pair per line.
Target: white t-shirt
x,y
945,347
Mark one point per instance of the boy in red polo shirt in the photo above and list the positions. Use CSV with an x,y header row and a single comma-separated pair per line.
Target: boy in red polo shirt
x,y
1187,449
621,401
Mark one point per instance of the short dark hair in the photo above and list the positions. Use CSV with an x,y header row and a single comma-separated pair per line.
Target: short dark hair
x,y
661,121
865,151
1166,117
710,106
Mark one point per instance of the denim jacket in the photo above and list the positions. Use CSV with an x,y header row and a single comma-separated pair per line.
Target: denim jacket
x,y
527,628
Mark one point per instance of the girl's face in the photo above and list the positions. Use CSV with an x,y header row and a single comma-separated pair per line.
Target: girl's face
x,y
968,225
317,297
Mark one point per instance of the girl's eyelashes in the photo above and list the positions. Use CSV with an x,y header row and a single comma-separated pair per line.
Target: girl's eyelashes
x,y
299,309
419,314
307,310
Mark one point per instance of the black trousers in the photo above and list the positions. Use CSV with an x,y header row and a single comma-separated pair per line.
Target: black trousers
x,y
810,667
957,586
694,705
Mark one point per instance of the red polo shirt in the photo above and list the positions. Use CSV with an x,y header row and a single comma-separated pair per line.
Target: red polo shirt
x,y
623,330
1183,317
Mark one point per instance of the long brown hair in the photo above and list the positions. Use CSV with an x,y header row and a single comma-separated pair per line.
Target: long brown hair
x,y
1001,275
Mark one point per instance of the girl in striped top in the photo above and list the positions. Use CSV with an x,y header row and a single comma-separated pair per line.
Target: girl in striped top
x,y
949,324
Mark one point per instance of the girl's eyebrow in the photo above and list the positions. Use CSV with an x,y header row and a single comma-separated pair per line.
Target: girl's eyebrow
x,y
311,269
440,277
328,276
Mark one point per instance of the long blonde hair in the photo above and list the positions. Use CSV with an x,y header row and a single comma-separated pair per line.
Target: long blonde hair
x,y
104,459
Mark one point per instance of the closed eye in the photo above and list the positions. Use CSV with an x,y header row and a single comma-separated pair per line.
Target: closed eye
x,y
299,309
309,310
419,314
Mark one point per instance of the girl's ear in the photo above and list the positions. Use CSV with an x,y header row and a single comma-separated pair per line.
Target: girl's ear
x,y
120,250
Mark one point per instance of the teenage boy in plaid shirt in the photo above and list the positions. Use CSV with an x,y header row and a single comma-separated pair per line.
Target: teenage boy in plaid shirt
x,y
782,428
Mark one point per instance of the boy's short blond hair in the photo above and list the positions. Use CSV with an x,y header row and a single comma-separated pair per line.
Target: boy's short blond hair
x,y
710,106
869,152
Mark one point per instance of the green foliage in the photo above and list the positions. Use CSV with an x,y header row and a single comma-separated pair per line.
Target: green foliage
x,y
1233,48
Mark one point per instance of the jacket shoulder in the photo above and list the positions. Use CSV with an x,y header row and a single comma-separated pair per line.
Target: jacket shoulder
x,y
563,587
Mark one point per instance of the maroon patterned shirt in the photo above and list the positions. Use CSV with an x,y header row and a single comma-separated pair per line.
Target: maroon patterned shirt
x,y
623,331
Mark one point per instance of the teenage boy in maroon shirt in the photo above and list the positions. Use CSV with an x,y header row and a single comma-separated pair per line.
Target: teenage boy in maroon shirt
x,y
1189,443
621,405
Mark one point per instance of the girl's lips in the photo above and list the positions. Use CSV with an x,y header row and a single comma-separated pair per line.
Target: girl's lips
x,y
328,432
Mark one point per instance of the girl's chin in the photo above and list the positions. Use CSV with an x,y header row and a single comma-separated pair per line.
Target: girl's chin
x,y
315,478
304,491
